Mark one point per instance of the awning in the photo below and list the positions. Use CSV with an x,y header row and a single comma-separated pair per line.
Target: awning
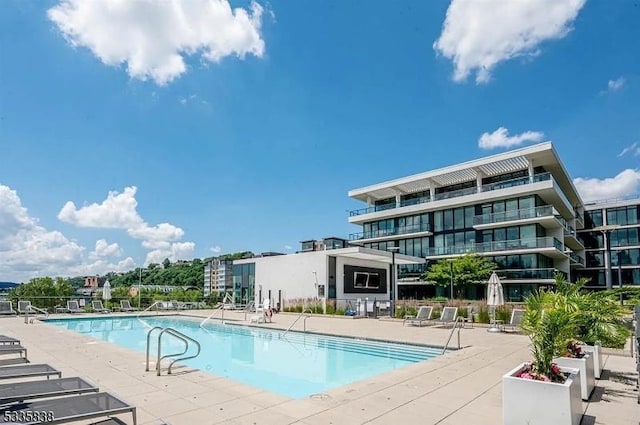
x,y
375,255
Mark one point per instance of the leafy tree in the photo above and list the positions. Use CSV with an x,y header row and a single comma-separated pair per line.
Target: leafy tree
x,y
152,266
43,292
166,263
468,270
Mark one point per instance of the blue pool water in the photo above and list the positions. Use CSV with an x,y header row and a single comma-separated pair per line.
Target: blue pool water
x,y
296,365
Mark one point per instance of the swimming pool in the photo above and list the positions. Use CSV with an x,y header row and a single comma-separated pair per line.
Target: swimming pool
x,y
295,365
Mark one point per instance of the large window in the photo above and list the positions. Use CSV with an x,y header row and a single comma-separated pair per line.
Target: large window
x,y
623,216
625,237
593,219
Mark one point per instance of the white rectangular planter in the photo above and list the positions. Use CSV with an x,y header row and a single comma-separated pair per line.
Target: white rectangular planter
x,y
529,402
596,353
585,366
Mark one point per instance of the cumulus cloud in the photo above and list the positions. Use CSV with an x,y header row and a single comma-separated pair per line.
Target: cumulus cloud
x,y
119,211
501,139
615,85
478,35
215,249
632,149
27,249
624,184
288,247
152,38
105,249
172,251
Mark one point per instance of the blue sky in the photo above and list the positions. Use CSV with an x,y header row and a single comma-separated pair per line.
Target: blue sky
x,y
258,152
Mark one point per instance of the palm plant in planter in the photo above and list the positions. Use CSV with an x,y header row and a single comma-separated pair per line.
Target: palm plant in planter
x,y
550,324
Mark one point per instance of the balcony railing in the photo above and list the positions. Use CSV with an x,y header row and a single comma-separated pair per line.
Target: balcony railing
x,y
457,193
543,211
576,258
510,245
512,274
390,232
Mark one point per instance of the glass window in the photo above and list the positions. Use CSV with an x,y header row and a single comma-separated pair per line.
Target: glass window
x,y
459,238
528,231
469,213
448,219
437,221
487,236
448,240
526,202
612,217
528,261
511,205
438,242
513,233
470,237
632,236
621,216
498,206
499,234
458,218
632,215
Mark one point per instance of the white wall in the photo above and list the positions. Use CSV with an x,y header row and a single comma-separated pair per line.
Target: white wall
x,y
342,261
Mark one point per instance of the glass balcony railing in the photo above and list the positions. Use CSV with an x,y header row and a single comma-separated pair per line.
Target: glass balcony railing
x,y
510,245
576,258
513,274
457,193
543,211
390,232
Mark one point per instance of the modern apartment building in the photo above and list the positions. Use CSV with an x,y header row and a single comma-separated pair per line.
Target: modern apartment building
x,y
519,208
218,275
611,238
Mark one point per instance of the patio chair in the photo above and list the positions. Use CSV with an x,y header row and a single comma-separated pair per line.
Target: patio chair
x,y
175,305
13,349
448,316
6,308
73,307
422,317
125,305
97,307
8,340
516,319
24,307
70,409
20,391
28,371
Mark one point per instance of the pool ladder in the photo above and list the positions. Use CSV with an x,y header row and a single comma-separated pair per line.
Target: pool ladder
x,y
176,334
306,313
456,324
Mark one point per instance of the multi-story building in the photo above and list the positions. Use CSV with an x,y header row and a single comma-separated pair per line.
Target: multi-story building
x,y
218,275
519,208
612,240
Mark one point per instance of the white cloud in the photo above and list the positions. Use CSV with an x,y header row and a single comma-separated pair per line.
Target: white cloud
x,y
288,247
501,139
624,184
215,249
477,35
153,37
119,211
615,85
105,249
632,149
174,251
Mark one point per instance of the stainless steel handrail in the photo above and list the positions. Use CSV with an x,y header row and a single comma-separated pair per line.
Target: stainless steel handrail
x,y
149,308
35,311
184,338
250,305
214,312
455,324
148,341
298,318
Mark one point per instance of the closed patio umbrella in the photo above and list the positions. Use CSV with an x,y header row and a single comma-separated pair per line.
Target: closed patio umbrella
x,y
495,297
106,291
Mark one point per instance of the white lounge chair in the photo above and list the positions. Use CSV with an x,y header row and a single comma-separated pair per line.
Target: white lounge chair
x,y
125,305
422,317
74,307
516,319
97,307
6,308
448,316
24,307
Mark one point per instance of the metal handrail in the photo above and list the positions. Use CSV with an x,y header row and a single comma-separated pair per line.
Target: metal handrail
x,y
35,310
221,307
247,308
184,338
455,324
148,343
149,308
298,318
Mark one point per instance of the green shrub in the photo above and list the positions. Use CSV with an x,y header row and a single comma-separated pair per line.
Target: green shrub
x,y
436,313
483,315
331,309
439,299
463,312
504,314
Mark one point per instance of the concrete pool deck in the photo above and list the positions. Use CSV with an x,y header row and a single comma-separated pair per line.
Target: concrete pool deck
x,y
462,387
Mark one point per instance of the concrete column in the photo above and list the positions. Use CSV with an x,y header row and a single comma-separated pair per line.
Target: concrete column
x,y
479,182
530,169
398,199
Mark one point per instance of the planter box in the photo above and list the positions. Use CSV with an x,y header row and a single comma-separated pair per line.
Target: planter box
x,y
596,353
528,402
585,366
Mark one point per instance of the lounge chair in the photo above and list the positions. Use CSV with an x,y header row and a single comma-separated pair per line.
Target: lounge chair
x,y
175,305
125,305
97,307
73,307
448,315
516,319
13,349
20,391
8,340
69,409
7,309
28,371
24,307
423,317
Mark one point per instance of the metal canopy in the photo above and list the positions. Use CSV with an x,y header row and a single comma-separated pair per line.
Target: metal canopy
x,y
376,255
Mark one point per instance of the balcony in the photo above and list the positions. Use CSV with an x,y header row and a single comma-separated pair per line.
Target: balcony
x,y
570,236
526,274
553,245
576,260
457,193
424,229
544,214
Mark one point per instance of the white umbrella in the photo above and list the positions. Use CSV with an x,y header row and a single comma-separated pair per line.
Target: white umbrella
x,y
106,291
495,297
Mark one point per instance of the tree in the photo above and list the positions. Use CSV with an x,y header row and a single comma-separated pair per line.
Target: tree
x,y
43,292
469,269
166,263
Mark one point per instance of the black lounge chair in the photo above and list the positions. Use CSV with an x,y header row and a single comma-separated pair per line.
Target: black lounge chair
x,y
8,340
28,371
6,308
67,409
13,349
97,307
73,307
28,390
125,305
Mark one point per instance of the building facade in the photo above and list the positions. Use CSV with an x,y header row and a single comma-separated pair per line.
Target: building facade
x,y
218,275
519,208
612,240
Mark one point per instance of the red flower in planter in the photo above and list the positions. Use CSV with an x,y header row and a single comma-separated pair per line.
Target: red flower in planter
x,y
574,351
